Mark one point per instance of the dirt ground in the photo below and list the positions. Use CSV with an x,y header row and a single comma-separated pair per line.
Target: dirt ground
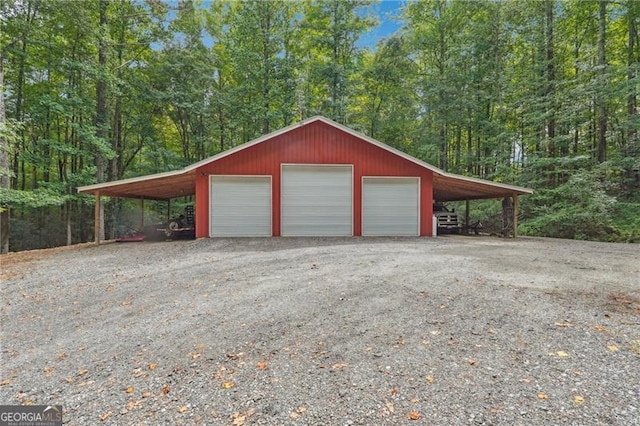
x,y
326,331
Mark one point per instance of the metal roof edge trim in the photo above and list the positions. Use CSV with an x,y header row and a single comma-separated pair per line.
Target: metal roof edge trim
x,y
103,185
489,182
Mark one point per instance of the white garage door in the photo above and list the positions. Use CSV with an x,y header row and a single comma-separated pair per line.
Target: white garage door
x,y
240,206
390,206
317,200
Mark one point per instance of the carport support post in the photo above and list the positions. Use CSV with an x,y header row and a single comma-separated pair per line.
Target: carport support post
x,y
515,215
141,213
466,215
96,224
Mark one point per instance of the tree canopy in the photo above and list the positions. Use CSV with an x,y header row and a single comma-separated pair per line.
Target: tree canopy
x,y
537,93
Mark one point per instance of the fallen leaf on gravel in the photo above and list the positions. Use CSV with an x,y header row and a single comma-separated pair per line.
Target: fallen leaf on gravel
x,y
227,385
105,416
338,366
48,371
195,355
471,361
62,355
612,348
165,390
390,407
262,365
182,409
133,404
414,415
600,328
414,400
394,391
82,372
235,356
542,395
561,354
146,394
137,372
430,378
578,399
563,324
294,415
130,389
239,419
6,382
152,366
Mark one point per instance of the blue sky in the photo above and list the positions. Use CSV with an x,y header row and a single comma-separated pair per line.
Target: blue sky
x,y
388,14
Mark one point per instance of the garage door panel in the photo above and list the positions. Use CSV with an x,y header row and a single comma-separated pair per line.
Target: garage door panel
x,y
240,206
317,200
390,206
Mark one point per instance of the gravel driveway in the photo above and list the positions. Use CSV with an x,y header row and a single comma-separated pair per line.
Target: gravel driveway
x,y
440,331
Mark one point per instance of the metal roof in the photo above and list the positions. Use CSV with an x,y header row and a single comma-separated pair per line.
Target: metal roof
x,y
179,183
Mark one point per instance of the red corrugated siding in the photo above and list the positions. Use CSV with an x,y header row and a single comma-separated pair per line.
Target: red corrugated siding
x,y
315,143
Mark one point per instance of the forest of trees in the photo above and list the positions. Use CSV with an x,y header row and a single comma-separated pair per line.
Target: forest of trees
x,y
537,93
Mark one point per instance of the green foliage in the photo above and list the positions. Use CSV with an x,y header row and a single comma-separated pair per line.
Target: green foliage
x,y
579,208
41,197
626,220
488,212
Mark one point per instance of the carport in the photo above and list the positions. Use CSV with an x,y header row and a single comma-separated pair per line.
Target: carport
x,y
315,178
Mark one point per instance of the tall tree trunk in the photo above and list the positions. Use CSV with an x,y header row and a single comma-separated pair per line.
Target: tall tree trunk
x,y
5,181
457,149
632,63
601,148
266,69
19,95
469,149
550,71
67,216
336,58
101,101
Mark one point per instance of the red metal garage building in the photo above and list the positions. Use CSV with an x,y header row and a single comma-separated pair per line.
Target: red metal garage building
x,y
314,178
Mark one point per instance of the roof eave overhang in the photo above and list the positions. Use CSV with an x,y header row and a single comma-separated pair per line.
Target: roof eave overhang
x,y
467,188
126,188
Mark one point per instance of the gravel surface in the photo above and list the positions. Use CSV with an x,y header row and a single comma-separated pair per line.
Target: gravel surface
x,y
440,331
